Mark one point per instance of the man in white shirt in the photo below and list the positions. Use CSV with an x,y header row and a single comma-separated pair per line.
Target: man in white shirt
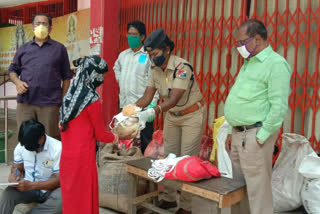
x,y
132,70
36,169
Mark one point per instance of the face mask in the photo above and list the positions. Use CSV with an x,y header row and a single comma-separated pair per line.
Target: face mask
x,y
41,32
158,61
134,41
243,50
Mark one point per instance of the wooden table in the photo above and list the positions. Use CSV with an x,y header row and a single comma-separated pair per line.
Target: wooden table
x,y
223,191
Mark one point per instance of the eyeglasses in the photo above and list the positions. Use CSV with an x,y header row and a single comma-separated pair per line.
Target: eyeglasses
x,y
242,42
41,23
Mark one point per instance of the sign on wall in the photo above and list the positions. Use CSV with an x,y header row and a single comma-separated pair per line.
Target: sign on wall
x,y
72,30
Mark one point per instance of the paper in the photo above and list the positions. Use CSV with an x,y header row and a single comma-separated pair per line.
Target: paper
x,y
8,184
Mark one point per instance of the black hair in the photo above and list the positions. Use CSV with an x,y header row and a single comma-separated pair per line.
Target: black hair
x,y
255,27
167,43
29,134
76,62
42,14
140,26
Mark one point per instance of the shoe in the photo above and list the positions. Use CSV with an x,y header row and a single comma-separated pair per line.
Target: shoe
x,y
182,211
167,204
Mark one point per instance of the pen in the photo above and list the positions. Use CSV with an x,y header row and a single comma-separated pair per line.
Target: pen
x,y
15,173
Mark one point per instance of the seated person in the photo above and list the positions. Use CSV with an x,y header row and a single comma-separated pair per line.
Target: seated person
x,y
36,169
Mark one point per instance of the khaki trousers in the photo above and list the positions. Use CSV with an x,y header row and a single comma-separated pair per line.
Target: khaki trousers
x,y
47,115
255,163
182,136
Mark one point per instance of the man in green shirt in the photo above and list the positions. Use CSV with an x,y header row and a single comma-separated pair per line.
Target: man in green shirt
x,y
255,109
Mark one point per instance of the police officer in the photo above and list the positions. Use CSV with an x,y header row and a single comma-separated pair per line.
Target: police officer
x,y
183,105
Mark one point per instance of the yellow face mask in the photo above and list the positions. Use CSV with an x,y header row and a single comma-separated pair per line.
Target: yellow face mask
x,y
41,32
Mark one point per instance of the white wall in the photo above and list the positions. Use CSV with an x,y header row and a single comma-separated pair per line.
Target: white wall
x,y
83,4
10,89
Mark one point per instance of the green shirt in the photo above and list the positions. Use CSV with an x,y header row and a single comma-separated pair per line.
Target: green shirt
x,y
260,93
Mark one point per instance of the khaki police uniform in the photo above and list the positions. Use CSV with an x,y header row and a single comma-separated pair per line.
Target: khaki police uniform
x,y
181,134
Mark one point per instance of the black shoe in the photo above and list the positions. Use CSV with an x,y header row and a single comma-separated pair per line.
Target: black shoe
x,y
167,205
182,211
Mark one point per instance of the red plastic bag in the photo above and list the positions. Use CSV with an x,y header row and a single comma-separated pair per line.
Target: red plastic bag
x,y
205,148
155,148
125,144
193,169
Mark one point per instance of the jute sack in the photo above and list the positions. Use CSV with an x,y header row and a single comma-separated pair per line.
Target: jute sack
x,y
113,178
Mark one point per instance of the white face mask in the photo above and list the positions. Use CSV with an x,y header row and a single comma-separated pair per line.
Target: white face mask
x,y
243,50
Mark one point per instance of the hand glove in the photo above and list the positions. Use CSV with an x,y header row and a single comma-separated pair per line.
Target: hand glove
x,y
143,117
151,118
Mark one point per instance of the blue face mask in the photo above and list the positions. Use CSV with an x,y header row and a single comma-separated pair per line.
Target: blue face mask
x,y
159,60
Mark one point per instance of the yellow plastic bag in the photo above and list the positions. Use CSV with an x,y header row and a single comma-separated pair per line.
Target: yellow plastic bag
x,y
216,125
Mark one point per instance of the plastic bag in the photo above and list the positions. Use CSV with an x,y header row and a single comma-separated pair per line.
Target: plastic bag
x,y
286,180
310,193
215,129
160,167
155,148
224,161
205,147
192,169
125,144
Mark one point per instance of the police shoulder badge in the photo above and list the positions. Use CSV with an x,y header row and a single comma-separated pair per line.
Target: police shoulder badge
x,y
182,74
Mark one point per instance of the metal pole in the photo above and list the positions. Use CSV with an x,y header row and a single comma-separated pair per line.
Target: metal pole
x,y
5,124
6,130
5,99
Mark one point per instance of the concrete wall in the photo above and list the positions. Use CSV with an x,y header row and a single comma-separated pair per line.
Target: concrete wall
x,y
83,4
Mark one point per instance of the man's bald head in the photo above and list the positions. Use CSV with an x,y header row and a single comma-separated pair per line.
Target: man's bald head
x,y
255,27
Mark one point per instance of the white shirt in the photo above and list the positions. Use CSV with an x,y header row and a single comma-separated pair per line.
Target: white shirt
x,y
132,70
39,166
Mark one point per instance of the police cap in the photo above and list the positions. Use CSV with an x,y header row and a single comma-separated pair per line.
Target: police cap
x,y
154,40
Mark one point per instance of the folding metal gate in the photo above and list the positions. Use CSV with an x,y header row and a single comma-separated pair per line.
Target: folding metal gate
x,y
204,34
22,14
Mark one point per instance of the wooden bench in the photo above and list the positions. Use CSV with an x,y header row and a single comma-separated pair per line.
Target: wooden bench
x,y
223,192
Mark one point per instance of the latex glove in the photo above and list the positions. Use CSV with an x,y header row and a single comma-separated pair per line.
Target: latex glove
x,y
151,118
143,117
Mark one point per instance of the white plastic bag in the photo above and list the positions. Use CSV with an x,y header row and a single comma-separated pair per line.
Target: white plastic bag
x,y
286,180
310,194
159,168
224,162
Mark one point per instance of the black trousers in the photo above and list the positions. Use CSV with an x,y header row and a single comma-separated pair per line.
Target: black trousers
x,y
146,136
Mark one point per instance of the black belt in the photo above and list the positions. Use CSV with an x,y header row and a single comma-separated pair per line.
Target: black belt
x,y
246,127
